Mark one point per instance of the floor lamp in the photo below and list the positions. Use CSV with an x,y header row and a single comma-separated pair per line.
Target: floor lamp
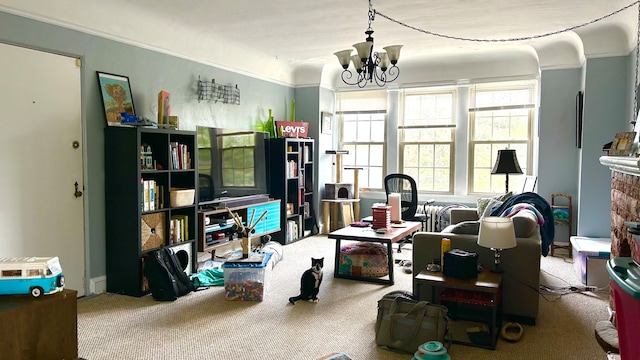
x,y
506,163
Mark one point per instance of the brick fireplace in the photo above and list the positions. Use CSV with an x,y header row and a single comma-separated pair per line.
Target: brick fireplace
x,y
625,204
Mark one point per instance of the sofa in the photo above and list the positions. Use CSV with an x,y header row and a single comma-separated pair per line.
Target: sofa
x,y
521,277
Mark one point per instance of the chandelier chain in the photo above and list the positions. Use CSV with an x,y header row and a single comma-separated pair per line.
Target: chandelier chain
x,y
372,15
523,38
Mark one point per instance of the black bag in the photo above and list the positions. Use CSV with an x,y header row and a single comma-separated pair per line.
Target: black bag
x,y
460,264
167,279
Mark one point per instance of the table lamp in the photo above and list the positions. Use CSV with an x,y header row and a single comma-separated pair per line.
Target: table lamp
x,y
506,163
496,233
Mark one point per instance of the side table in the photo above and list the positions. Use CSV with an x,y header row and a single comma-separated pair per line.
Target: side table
x,y
474,305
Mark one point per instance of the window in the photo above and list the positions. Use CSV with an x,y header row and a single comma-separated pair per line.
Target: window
x,y
500,116
427,134
446,137
11,273
237,152
363,120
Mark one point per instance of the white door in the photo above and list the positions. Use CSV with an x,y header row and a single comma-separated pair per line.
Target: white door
x,y
41,159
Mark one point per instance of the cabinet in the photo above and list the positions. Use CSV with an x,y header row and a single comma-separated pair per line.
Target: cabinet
x,y
475,305
291,180
142,165
215,227
43,328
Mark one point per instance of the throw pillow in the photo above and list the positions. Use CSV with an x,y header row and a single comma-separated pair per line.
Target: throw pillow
x,y
483,203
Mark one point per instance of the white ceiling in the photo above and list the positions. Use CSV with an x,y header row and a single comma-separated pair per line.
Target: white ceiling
x,y
271,37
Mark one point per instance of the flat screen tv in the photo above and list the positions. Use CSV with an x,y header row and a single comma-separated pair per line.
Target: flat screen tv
x,y
231,163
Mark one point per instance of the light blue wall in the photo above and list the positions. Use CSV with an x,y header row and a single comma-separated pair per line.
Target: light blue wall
x,y
606,112
149,72
557,131
561,165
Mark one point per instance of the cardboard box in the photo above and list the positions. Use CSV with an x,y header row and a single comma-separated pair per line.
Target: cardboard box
x,y
589,258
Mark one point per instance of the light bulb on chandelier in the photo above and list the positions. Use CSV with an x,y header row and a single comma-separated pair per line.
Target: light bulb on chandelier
x,y
370,65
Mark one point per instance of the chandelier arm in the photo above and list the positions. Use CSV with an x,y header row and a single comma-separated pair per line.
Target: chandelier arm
x,y
347,75
393,73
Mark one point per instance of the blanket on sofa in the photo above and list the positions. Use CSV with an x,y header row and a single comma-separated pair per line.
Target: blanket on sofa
x,y
547,230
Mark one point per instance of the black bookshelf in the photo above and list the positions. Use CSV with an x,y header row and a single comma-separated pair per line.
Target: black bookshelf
x,y
133,230
291,181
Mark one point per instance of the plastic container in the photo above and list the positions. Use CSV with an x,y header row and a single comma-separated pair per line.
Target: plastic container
x,y
589,258
246,281
625,284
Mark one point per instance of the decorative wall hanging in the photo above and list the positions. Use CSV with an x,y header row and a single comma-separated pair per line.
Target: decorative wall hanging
x,y
116,96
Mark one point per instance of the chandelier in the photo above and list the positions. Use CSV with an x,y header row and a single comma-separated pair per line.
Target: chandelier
x,y
370,65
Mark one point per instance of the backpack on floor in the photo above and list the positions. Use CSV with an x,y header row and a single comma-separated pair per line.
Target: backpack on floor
x,y
166,276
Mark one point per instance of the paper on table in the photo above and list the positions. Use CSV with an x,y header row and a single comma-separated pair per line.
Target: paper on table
x,y
394,202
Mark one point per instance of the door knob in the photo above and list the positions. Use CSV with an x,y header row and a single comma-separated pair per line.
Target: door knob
x,y
77,193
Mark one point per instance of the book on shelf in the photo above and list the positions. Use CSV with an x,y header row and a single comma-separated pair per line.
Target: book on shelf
x,y
152,195
180,225
180,156
145,195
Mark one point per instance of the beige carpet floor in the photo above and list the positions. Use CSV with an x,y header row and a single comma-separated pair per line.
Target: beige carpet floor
x,y
203,325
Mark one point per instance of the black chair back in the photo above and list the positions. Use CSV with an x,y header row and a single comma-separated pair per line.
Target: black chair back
x,y
406,186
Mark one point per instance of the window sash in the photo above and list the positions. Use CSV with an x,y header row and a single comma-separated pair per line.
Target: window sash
x,y
499,125
427,139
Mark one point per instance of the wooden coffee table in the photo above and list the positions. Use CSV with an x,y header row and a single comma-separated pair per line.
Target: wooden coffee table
x,y
391,235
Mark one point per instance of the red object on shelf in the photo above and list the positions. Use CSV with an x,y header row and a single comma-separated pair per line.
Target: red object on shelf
x,y
468,297
381,217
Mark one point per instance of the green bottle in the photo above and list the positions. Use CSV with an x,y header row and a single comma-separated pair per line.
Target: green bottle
x,y
271,127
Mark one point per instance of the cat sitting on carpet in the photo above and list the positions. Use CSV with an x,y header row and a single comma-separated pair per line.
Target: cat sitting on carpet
x,y
310,282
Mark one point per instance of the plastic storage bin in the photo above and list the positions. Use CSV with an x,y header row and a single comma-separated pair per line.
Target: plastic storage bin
x,y
589,258
246,281
625,276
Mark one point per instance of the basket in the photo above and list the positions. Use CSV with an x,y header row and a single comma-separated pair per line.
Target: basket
x,y
181,197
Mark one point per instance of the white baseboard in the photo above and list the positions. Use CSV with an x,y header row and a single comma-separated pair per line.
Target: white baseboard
x,y
98,285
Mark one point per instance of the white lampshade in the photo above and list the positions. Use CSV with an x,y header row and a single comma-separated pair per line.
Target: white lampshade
x,y
343,57
364,49
394,53
496,233
384,60
356,62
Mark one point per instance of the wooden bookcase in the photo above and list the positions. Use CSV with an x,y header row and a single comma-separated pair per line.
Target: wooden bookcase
x,y
132,230
291,180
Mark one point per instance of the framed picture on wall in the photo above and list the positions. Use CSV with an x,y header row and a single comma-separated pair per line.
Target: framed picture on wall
x,y
622,144
325,122
116,96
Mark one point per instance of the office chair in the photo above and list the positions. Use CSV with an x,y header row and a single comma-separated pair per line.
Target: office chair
x,y
406,186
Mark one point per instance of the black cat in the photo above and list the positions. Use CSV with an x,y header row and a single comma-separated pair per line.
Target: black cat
x,y
310,282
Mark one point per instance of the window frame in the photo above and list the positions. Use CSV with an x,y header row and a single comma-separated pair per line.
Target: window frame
x,y
343,144
431,91
527,165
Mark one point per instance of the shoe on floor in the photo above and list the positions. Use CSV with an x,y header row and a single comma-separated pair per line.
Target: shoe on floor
x,y
407,266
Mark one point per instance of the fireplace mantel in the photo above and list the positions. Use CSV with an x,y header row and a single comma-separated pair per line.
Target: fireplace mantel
x,y
624,164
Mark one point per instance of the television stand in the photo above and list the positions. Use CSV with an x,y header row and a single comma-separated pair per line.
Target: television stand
x,y
260,203
233,202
